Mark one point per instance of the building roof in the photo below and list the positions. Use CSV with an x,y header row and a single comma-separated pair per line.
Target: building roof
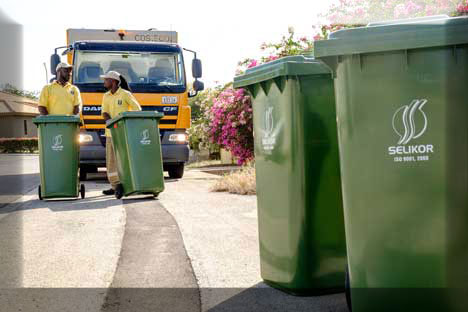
x,y
14,105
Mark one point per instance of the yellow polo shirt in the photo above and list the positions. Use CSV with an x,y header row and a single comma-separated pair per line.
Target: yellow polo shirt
x,y
60,100
121,101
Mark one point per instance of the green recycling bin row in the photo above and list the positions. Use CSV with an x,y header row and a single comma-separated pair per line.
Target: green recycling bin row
x,y
402,117
402,111
137,146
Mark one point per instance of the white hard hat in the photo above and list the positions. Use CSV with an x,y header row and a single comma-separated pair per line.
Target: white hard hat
x,y
112,75
63,65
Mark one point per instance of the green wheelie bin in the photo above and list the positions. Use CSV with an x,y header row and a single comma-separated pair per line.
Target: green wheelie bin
x,y
59,156
300,215
402,111
137,147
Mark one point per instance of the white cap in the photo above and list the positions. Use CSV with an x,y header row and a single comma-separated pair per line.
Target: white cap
x,y
112,75
63,65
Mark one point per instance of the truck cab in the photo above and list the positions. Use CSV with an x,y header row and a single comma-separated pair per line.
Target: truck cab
x,y
153,64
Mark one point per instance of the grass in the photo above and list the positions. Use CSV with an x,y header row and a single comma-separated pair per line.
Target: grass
x,y
240,182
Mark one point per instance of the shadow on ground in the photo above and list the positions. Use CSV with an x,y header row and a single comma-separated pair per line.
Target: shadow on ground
x,y
262,298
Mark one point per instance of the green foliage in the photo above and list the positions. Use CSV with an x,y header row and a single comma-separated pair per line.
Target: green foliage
x,y
18,145
8,88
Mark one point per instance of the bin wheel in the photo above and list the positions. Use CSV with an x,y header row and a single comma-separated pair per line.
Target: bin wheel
x,y
82,191
39,192
348,290
155,195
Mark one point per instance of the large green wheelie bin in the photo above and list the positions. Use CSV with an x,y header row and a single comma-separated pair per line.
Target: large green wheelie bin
x,y
59,154
137,147
300,215
401,96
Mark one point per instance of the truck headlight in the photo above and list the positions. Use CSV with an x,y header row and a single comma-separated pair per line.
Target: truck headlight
x,y
178,137
85,138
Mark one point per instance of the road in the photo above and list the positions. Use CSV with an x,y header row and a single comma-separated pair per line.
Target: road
x,y
189,250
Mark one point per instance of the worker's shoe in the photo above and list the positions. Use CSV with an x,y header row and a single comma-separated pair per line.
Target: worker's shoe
x,y
119,191
108,192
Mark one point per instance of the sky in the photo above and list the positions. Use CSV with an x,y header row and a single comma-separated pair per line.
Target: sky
x,y
222,32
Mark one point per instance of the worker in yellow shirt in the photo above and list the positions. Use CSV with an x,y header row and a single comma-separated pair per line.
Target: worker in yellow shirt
x,y
117,100
60,97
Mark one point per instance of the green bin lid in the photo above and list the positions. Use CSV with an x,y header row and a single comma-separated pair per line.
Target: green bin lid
x,y
298,65
56,118
406,34
140,114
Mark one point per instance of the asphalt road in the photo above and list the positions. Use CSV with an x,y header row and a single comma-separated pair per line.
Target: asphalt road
x,y
18,175
189,250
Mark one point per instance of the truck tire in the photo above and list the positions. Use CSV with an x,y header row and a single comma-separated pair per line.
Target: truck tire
x,y
176,171
83,173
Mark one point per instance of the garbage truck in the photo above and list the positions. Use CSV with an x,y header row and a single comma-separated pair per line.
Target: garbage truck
x,y
153,63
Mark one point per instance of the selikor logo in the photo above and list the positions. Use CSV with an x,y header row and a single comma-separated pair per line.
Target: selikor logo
x,y
57,143
410,123
269,133
405,116
145,140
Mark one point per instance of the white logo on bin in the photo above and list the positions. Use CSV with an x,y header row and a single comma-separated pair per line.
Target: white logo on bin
x,y
57,143
145,140
269,134
410,122
404,124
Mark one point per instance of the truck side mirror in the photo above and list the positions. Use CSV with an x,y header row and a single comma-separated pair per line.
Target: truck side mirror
x,y
198,85
196,68
54,61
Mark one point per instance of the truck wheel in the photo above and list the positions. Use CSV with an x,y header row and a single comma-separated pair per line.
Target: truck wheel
x,y
83,173
176,171
39,192
82,191
348,289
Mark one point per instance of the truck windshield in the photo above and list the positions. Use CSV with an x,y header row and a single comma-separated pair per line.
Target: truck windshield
x,y
141,69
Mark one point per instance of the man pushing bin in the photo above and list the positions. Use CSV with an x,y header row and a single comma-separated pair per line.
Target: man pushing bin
x,y
117,100
133,149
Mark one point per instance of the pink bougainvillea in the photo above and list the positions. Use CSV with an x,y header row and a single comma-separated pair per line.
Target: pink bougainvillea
x,y
288,45
462,8
349,12
231,123
355,13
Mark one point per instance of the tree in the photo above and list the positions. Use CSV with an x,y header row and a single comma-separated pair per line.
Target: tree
x,y
8,88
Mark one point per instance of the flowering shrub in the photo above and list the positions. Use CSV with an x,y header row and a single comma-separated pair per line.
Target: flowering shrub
x,y
364,11
288,45
231,123
199,132
357,13
462,8
228,118
326,30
